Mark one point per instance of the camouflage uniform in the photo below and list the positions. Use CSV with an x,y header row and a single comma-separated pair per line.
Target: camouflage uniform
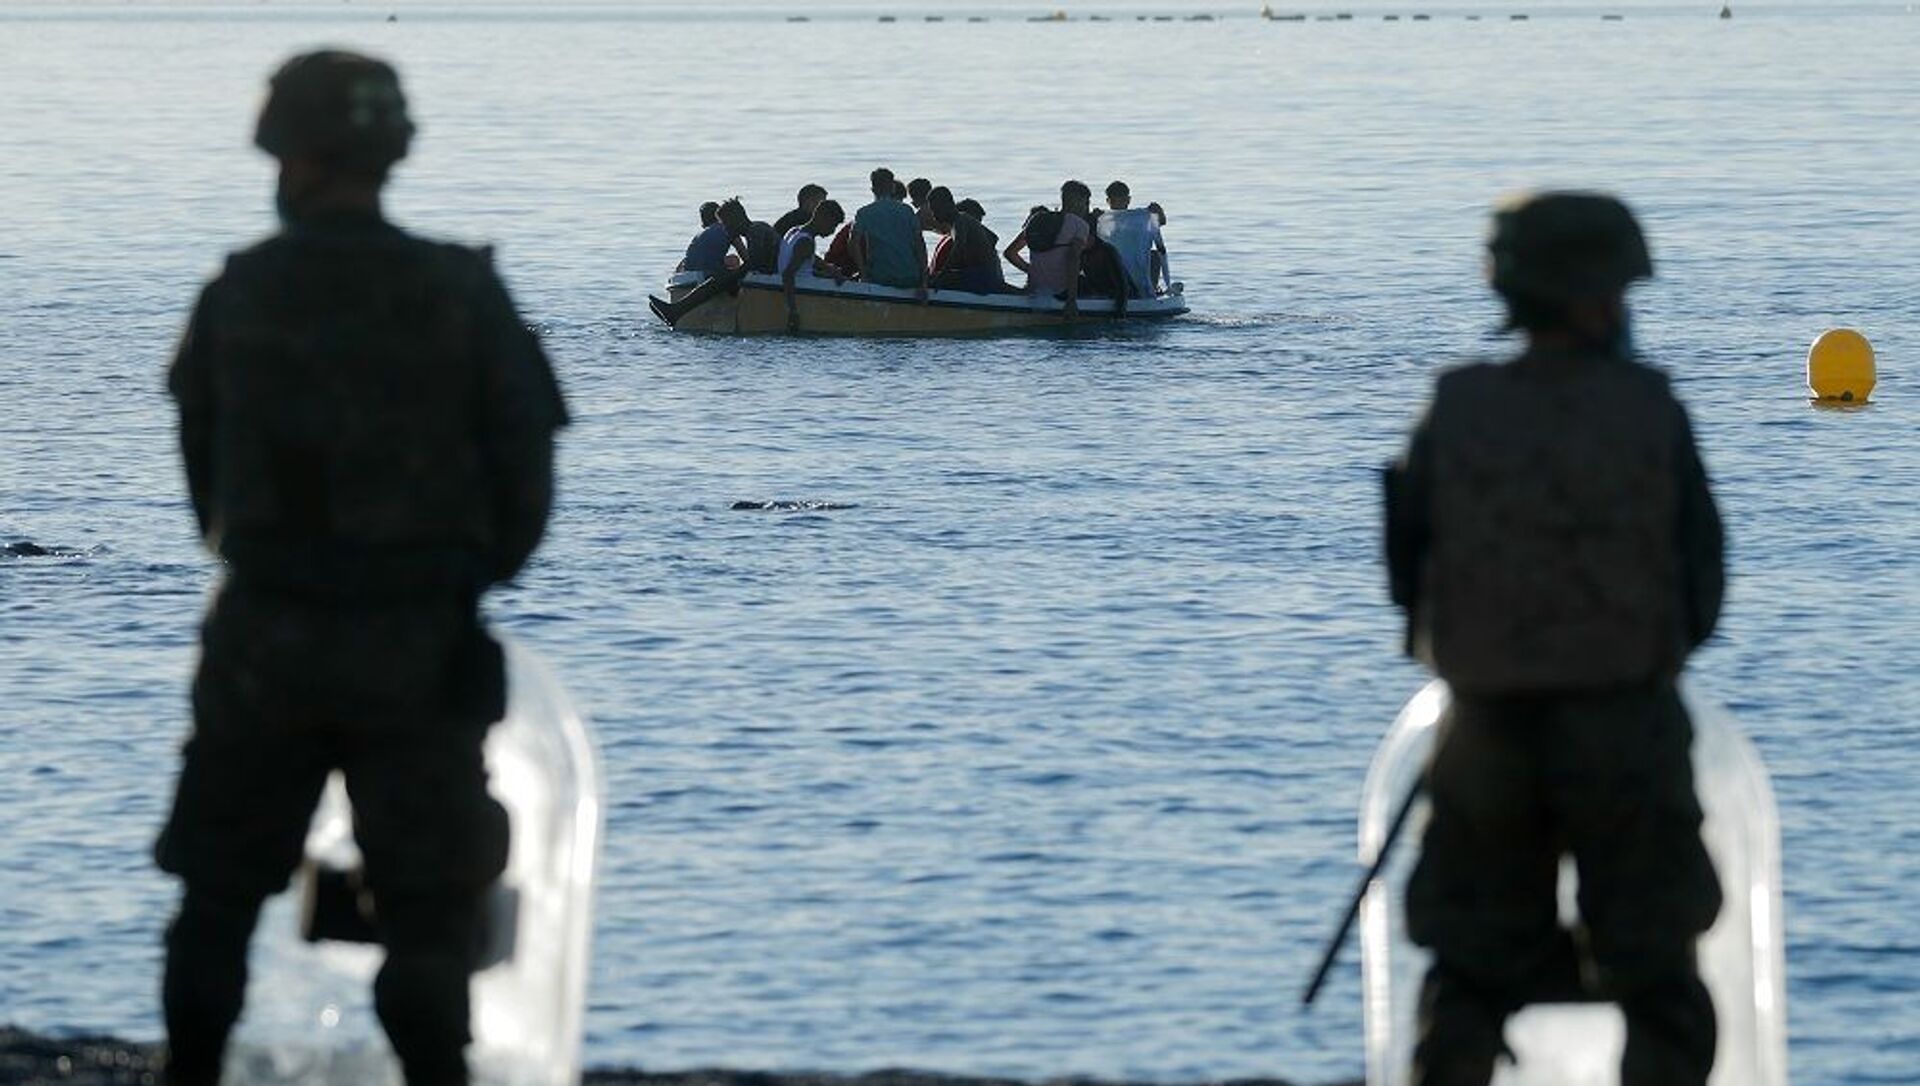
x,y
367,428
1553,539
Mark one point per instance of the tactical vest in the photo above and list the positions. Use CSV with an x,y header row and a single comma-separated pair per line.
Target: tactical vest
x,y
1553,560
347,381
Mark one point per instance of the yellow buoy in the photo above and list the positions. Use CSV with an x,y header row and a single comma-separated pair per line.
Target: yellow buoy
x,y
1840,367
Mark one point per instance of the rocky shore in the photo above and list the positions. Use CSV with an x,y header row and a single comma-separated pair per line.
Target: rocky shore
x,y
108,1061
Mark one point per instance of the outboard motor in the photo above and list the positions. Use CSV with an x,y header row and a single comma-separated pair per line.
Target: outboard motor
x,y
309,1018
1741,958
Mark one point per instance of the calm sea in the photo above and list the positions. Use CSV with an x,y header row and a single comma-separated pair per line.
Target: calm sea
x,y
1042,755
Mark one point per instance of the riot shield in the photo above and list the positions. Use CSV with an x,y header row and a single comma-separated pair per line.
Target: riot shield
x,y
309,1018
1741,958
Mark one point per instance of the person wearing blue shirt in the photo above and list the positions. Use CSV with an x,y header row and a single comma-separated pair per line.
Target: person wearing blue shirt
x,y
887,245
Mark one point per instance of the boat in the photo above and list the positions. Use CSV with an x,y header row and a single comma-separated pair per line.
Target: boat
x,y
853,308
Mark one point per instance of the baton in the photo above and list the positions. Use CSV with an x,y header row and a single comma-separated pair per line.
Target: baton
x,y
1339,939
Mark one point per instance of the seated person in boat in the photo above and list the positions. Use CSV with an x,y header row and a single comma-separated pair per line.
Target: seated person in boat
x,y
707,252
917,190
1162,276
944,248
1056,242
887,246
840,252
798,259
761,244
1133,237
970,257
809,198
761,251
1100,272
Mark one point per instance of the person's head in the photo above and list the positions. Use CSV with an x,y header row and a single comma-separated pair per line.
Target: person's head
x,y
810,197
1118,197
917,190
733,215
899,190
971,206
883,182
1075,196
337,121
940,205
1159,213
827,217
1563,261
709,213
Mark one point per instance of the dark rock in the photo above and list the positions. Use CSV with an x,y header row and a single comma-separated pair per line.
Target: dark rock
x,y
29,549
788,506
106,1061
84,1061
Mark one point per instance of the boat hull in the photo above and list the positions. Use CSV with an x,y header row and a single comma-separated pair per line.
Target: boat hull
x,y
759,307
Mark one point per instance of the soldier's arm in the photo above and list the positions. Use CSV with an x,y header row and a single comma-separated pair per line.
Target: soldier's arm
x,y
1408,523
1702,539
521,407
190,382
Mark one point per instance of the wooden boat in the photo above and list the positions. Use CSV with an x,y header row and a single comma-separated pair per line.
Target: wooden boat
x,y
867,309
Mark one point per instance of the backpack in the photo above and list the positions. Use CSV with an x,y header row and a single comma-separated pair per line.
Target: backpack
x,y
1043,230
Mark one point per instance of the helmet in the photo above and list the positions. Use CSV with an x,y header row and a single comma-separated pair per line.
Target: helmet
x,y
339,106
1565,247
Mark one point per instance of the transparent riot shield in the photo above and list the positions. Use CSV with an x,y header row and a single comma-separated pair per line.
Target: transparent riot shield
x,y
1741,958
309,1018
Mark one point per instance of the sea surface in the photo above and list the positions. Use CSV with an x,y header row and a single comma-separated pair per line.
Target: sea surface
x,y
1040,753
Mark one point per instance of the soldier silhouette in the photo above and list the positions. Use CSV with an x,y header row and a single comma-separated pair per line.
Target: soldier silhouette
x,y
1551,534
367,427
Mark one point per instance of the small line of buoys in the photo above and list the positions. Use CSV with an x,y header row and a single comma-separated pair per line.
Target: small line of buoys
x,y
1271,16
1840,368
798,19
1266,14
